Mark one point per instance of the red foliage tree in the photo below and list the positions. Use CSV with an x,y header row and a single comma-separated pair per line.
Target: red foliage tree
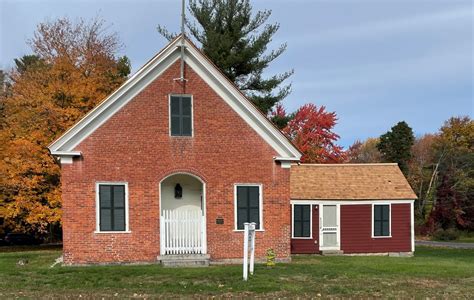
x,y
310,129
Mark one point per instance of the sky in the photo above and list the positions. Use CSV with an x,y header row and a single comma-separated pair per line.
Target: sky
x,y
373,62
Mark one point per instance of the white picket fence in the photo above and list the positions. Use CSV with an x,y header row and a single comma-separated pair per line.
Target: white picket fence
x,y
182,232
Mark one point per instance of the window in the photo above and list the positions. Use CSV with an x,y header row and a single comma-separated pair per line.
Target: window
x,y
181,115
248,205
301,221
381,217
112,207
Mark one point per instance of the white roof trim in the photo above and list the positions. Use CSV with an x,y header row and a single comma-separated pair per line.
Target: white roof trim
x,y
66,153
148,73
278,158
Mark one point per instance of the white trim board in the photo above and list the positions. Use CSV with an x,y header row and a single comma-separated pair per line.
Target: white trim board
x,y
148,73
351,202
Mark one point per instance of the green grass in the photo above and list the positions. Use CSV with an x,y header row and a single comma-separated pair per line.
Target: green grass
x,y
432,272
466,239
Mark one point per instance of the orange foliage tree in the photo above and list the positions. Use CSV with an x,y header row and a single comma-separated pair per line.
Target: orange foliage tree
x,y
74,66
311,130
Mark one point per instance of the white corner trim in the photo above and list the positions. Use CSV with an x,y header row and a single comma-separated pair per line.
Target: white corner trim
x,y
310,237
260,204
389,221
97,206
412,226
154,68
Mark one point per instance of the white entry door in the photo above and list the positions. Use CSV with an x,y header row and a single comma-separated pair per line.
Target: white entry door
x,y
329,227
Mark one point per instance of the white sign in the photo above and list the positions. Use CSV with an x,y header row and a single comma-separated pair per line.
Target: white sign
x,y
249,240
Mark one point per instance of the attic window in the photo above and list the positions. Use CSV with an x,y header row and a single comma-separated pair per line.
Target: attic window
x,y
181,118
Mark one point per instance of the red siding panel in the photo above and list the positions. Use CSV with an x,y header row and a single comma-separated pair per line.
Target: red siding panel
x,y
308,246
356,230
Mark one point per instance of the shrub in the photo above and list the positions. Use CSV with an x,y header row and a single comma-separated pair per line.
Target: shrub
x,y
449,234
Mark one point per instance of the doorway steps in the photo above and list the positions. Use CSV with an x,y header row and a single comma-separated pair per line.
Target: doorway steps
x,y
185,260
332,252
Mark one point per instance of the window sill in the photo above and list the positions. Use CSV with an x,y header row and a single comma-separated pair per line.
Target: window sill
x,y
112,232
242,230
382,237
182,136
301,238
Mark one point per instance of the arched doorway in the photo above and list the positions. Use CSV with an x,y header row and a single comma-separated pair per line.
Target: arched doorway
x,y
182,215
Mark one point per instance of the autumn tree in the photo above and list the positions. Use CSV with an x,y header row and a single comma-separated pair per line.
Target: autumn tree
x,y
395,145
423,172
236,40
364,152
454,201
73,67
311,130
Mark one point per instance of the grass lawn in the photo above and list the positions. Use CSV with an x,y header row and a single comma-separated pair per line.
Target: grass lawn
x,y
465,239
432,272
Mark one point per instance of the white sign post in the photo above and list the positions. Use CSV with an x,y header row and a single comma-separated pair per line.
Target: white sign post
x,y
249,240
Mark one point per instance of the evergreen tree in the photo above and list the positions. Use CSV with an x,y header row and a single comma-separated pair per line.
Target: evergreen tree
x,y
234,39
395,145
28,61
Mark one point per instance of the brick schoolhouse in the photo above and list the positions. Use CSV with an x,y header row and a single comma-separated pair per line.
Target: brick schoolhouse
x,y
172,168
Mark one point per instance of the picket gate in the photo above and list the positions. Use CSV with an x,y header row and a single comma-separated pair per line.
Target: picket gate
x,y
182,232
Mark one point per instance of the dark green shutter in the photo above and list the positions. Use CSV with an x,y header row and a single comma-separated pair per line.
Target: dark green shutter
x,y
175,116
112,207
105,199
302,220
382,220
248,206
181,116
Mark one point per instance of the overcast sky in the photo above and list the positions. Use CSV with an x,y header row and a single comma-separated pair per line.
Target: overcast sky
x,y
373,62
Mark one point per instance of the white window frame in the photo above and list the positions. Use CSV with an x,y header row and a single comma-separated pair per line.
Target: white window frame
x,y
192,115
97,206
311,207
389,221
260,205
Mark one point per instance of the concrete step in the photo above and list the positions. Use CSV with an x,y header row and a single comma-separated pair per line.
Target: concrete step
x,y
332,252
185,260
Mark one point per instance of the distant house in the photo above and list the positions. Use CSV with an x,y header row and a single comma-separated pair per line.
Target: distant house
x,y
170,169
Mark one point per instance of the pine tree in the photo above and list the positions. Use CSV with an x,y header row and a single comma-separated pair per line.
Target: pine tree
x,y
234,39
395,145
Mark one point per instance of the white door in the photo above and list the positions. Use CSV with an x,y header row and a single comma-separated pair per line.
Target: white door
x,y
329,227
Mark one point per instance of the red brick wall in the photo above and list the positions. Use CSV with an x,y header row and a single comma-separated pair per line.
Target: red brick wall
x,y
356,230
134,146
308,246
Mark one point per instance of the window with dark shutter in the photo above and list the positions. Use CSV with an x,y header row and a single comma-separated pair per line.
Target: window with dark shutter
x,y
180,116
248,206
381,220
301,221
112,207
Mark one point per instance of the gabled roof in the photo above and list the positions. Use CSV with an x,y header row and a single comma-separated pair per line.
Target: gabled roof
x,y
349,182
65,145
